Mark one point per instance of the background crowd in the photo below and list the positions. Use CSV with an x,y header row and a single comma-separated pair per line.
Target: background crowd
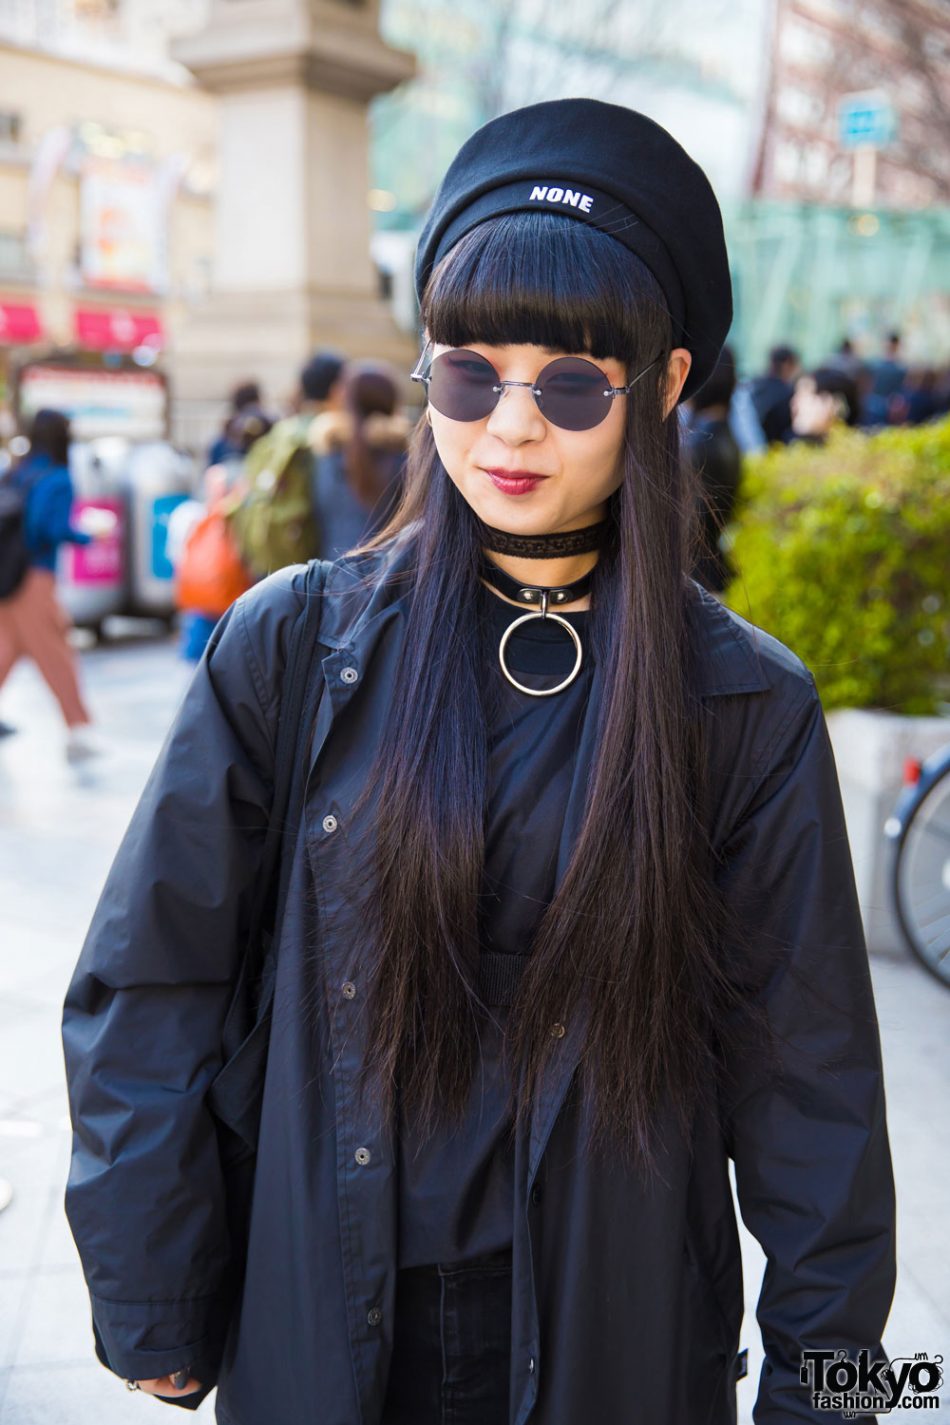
x,y
325,475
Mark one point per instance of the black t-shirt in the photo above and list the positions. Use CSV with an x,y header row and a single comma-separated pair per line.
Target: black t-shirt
x,y
456,1190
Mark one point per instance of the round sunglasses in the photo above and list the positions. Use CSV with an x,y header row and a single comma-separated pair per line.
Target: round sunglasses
x,y
570,392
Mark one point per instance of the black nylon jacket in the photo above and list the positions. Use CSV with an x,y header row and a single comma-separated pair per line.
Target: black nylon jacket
x,y
627,1302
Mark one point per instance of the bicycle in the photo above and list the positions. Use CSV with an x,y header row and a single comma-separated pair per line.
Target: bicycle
x,y
919,872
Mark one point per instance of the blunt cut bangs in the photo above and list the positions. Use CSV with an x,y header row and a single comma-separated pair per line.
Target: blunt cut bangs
x,y
542,279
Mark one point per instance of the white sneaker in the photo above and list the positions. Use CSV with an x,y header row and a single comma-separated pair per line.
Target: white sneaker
x,y
82,743
6,1194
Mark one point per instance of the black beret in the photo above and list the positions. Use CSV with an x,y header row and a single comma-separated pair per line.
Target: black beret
x,y
616,170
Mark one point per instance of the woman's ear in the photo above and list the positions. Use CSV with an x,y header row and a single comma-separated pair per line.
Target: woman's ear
x,y
676,373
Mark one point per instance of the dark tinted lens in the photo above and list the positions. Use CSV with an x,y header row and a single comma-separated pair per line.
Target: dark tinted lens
x,y
572,393
460,385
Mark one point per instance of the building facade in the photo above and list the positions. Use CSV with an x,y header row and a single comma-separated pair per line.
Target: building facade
x,y
187,186
106,207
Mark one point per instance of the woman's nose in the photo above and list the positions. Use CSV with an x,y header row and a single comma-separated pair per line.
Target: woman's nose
x,y
516,418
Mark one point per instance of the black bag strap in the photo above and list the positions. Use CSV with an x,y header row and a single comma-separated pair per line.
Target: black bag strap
x,y
298,674
249,1003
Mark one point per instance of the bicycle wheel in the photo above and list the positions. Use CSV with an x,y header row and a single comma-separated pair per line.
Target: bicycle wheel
x,y
922,880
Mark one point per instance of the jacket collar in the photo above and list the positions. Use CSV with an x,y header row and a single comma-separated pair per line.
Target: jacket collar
x,y
727,645
728,657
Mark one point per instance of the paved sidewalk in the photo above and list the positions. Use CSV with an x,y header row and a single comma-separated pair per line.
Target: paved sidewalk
x,y
59,827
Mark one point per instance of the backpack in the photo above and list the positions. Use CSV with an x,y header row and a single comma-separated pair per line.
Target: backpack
x,y
210,574
275,524
14,551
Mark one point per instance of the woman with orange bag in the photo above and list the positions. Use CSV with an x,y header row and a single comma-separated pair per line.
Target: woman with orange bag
x,y
209,573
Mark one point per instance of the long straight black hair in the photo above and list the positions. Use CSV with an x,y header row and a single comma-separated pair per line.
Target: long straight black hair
x,y
636,922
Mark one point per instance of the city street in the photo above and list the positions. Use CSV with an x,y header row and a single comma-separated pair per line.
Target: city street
x,y
59,827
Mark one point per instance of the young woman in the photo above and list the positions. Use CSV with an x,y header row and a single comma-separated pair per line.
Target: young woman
x,y
359,458
33,624
570,921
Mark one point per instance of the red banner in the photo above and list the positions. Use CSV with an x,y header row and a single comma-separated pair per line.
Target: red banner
x,y
19,324
109,329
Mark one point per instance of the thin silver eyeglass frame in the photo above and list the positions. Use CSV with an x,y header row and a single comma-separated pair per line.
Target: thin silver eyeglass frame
x,y
611,391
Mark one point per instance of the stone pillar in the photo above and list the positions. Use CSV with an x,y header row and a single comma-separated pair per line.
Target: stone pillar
x,y
292,251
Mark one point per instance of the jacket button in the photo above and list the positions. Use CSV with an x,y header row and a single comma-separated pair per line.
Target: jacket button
x,y
362,1156
557,1031
349,989
531,1365
329,823
349,675
536,1194
374,1316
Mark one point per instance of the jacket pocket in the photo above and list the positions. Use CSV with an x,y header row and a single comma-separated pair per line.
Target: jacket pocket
x,y
236,1092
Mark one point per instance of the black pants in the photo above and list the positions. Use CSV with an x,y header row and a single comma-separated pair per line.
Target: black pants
x,y
451,1360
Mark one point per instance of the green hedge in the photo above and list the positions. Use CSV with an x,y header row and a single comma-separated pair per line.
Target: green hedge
x,y
843,552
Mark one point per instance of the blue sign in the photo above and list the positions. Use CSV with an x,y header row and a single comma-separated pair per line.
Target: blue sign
x,y
161,509
866,120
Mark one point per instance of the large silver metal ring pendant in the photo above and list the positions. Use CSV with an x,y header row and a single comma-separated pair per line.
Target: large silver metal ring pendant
x,y
541,692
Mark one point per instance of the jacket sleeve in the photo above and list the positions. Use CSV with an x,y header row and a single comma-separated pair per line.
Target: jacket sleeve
x,y
808,1135
49,510
144,1011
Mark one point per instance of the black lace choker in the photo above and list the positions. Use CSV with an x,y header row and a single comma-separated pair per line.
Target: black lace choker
x,y
544,546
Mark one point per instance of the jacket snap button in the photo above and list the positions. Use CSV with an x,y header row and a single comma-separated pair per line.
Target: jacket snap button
x,y
349,675
536,1194
349,989
530,1365
362,1156
374,1316
557,1031
329,823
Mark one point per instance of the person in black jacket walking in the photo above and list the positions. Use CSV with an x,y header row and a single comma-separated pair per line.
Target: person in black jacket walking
x,y
714,455
567,918
772,394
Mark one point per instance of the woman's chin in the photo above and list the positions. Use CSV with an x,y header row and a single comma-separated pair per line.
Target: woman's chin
x,y
527,513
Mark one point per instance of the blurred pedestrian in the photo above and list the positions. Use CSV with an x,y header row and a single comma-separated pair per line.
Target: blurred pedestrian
x,y
564,916
208,571
716,460
744,421
276,523
772,393
822,398
845,359
941,391
359,456
244,428
889,370
916,400
321,383
33,623
243,397
887,375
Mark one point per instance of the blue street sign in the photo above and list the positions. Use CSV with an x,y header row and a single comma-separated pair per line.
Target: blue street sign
x,y
866,120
